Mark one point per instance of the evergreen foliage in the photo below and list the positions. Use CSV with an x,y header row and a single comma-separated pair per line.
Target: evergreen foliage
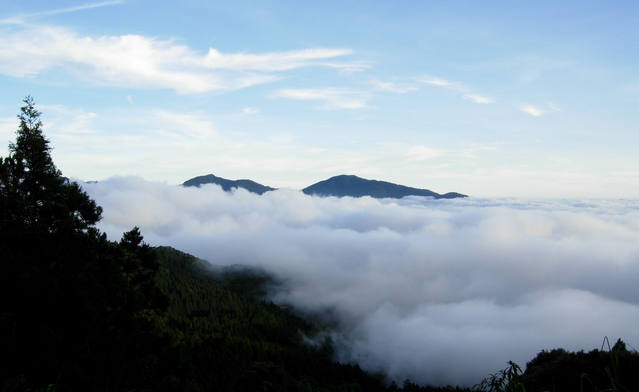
x,y
229,341
598,370
75,309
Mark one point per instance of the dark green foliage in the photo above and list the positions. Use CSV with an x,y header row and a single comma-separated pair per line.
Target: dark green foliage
x,y
227,185
75,309
559,370
354,186
230,340
505,380
34,194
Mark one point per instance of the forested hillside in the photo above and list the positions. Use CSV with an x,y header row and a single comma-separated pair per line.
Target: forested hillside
x,y
227,339
79,312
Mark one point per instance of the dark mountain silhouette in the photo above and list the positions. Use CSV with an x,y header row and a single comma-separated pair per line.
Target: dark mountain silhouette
x,y
227,185
344,185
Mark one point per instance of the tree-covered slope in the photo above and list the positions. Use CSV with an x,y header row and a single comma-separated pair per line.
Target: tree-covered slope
x,y
229,339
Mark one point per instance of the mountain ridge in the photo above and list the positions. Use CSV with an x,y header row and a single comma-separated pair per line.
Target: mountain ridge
x,y
227,184
354,186
340,186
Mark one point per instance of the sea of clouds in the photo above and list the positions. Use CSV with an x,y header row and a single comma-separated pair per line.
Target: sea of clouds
x,y
438,291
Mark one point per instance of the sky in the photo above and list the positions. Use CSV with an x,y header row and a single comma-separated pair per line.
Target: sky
x,y
490,99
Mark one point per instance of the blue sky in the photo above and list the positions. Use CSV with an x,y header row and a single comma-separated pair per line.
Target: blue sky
x,y
483,98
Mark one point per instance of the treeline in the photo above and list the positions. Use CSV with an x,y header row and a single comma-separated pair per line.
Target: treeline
x,y
81,313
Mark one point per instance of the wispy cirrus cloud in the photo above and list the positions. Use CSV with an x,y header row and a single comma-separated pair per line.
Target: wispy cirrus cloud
x,y
22,18
391,87
540,110
279,61
421,153
250,110
477,98
465,92
535,111
438,82
8,127
331,97
146,62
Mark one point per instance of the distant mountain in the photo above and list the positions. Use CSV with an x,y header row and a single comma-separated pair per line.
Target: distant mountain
x,y
354,186
342,185
227,185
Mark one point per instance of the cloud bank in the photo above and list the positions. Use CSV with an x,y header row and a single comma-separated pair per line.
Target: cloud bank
x,y
439,291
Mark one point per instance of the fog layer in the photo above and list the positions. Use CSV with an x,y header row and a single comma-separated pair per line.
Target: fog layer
x,y
438,291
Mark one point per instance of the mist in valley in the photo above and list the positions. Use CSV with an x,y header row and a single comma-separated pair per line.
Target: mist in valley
x,y
438,291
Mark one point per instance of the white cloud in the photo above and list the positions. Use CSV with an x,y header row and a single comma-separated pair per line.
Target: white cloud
x,y
440,82
331,97
538,111
421,153
8,127
67,121
277,61
191,125
477,98
441,291
458,88
19,19
532,110
145,62
554,107
250,110
392,87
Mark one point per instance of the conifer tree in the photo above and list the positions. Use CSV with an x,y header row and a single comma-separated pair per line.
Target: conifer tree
x,y
34,188
71,302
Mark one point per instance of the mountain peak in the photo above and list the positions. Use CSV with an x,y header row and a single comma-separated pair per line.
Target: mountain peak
x,y
227,185
351,185
340,185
